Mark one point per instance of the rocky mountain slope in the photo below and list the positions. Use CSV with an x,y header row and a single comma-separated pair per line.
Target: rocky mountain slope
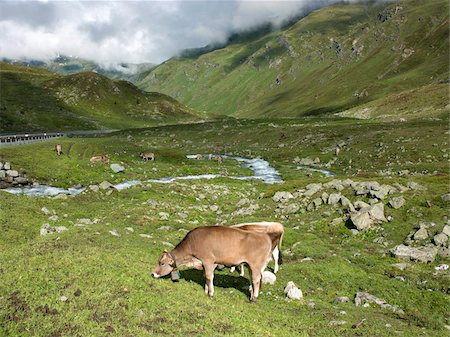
x,y
67,65
33,99
375,59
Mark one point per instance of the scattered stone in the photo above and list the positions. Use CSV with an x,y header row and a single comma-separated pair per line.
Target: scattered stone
x,y
130,229
347,204
117,168
94,188
114,233
163,215
12,173
337,323
376,212
421,234
45,210
445,197
341,299
397,202
139,313
63,298
214,208
164,228
422,254
106,185
268,277
168,244
440,239
147,236
361,220
334,198
311,304
46,229
415,186
360,204
54,218
7,166
446,230
364,298
292,292
282,196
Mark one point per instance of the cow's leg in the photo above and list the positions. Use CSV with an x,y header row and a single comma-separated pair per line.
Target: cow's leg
x,y
256,282
276,255
241,266
209,275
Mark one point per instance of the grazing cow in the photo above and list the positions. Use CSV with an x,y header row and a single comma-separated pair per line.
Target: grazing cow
x,y
199,156
100,159
147,156
212,245
58,149
276,229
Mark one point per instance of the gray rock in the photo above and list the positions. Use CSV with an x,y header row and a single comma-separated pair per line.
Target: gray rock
x,y
164,228
7,166
163,215
94,188
446,230
46,229
114,233
444,252
440,239
282,196
45,210
360,204
380,194
334,198
421,254
445,197
117,168
54,218
421,234
361,220
291,209
376,212
242,202
12,173
1,165
324,197
306,161
401,266
397,202
347,204
354,231
21,180
268,277
292,292
106,185
317,202
364,297
337,323
147,236
214,208
2,174
341,299
415,186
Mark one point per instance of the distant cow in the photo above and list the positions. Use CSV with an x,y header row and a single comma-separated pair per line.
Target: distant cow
x,y
147,155
274,228
208,246
100,159
199,156
58,149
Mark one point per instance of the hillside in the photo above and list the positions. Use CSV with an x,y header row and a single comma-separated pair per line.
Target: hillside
x,y
336,58
66,65
33,99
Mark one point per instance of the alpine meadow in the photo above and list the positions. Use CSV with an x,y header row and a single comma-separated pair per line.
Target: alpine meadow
x,y
327,133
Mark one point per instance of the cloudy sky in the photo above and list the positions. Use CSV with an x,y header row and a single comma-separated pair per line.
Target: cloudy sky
x,y
110,32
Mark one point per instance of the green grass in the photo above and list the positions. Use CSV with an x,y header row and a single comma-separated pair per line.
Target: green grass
x,y
33,99
107,281
240,79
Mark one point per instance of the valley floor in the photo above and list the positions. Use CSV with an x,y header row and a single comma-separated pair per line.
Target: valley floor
x,y
93,278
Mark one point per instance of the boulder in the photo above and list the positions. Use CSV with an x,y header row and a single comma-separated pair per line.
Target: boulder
x,y
347,204
2,174
421,234
376,212
421,254
397,202
334,198
360,204
94,188
117,168
268,277
292,292
446,230
104,185
21,180
341,299
12,173
415,186
306,161
361,220
282,196
7,166
445,197
440,239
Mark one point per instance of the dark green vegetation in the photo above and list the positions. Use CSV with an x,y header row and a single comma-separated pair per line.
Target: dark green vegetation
x,y
106,279
33,99
357,57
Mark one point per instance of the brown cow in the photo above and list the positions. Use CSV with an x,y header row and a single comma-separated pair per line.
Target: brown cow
x,y
100,159
58,149
208,246
266,227
147,155
216,157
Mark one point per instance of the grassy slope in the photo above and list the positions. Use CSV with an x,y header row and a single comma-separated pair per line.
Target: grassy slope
x,y
240,79
32,99
107,279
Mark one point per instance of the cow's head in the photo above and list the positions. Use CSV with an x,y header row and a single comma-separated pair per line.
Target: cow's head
x,y
166,264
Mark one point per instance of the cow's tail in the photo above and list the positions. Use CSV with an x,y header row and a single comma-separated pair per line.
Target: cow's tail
x,y
280,255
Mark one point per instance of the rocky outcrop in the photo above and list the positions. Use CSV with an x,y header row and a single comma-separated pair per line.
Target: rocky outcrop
x,y
423,254
10,177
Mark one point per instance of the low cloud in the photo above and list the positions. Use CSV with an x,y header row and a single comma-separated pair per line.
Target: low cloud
x,y
138,31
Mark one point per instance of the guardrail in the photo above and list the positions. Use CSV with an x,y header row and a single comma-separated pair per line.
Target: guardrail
x,y
26,138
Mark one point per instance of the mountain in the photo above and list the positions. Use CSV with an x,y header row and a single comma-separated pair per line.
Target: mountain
x,y
342,58
66,65
34,99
